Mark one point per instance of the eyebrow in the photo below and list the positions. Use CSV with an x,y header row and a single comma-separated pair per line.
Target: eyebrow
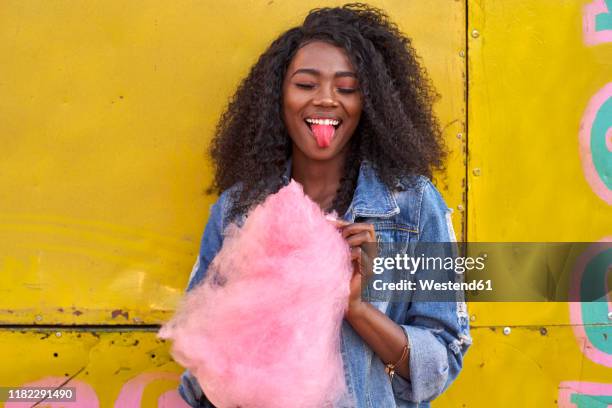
x,y
315,72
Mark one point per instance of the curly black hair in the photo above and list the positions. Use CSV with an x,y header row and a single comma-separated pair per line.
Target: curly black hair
x,y
397,133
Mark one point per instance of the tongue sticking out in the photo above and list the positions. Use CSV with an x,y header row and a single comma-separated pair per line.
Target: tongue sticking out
x,y
323,134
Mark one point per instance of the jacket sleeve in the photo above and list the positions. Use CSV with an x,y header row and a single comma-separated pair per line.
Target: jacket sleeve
x,y
437,332
211,243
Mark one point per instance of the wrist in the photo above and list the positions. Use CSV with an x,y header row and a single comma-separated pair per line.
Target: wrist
x,y
355,311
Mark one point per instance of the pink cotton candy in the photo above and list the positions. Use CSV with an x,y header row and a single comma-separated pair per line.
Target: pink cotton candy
x,y
263,328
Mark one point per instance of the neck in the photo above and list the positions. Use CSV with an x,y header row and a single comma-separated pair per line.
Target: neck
x,y
320,178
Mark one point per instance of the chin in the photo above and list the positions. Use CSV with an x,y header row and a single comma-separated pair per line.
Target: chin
x,y
322,155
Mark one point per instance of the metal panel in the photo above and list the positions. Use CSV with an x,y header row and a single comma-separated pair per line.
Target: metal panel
x,y
106,109
536,172
531,77
529,367
107,368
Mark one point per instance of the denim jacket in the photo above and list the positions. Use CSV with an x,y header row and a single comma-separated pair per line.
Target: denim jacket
x,y
437,332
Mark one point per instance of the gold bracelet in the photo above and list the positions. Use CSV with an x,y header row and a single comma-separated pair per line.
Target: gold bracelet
x,y
390,368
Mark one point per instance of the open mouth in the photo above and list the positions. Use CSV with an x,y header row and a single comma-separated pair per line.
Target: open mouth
x,y
326,122
323,129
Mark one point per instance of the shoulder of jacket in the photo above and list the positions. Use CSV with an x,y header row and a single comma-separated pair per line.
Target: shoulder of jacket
x,y
225,203
416,198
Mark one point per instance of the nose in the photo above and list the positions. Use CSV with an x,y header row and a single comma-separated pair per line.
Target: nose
x,y
325,97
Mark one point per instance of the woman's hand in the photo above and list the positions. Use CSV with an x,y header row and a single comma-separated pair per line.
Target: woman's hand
x,y
356,235
382,334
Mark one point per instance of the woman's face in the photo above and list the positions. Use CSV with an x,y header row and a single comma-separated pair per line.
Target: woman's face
x,y
322,101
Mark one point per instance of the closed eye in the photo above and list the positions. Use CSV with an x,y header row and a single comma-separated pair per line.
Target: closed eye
x,y
347,90
305,86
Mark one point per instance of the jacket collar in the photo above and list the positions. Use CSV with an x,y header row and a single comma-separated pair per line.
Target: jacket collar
x,y
372,197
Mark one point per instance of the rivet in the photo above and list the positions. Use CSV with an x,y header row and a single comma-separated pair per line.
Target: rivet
x,y
543,331
475,33
460,207
476,172
610,315
459,135
462,53
473,317
507,330
38,318
58,334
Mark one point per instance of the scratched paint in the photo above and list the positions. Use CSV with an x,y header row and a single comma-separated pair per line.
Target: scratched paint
x,y
108,368
596,143
597,22
584,395
590,319
132,392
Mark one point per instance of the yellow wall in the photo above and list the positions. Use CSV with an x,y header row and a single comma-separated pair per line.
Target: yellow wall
x,y
106,110
533,73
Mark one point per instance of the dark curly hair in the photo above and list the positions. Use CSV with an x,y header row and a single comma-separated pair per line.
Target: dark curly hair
x,y
397,133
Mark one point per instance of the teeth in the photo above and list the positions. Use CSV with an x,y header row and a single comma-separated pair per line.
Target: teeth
x,y
327,122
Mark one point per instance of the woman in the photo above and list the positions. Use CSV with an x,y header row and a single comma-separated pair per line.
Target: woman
x,y
342,106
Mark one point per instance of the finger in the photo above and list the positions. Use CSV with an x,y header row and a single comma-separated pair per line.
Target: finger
x,y
356,254
366,266
359,238
357,269
337,222
357,228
